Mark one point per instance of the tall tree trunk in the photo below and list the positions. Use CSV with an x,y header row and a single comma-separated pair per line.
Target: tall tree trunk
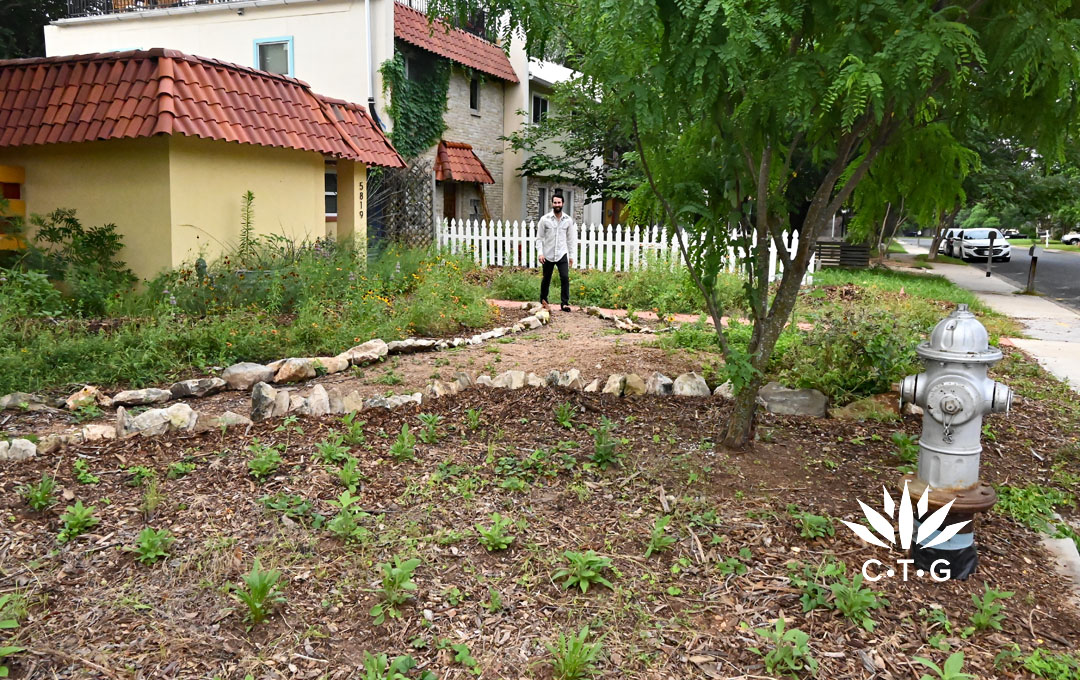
x,y
740,426
947,221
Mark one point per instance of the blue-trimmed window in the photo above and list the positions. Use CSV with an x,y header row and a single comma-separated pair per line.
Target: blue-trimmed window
x,y
274,55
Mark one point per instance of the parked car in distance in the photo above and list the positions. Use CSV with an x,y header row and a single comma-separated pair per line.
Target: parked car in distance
x,y
1071,239
1011,233
946,244
980,244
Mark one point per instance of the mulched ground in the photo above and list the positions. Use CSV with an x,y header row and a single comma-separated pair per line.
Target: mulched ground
x,y
96,612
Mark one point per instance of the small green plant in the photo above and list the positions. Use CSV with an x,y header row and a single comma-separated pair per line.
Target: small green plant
x,y
7,604
152,497
789,652
290,505
87,412
397,588
390,377
605,444
585,570
495,537
179,469
139,475
564,414
354,429
952,670
572,658
810,525
261,595
153,544
39,496
429,434
814,581
77,519
346,523
494,602
81,469
349,476
332,450
658,540
988,611
855,602
265,459
907,447
381,668
514,484
1042,664
404,447
472,418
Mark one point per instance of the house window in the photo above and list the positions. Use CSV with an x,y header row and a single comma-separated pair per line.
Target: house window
x,y
275,55
474,95
542,208
474,204
568,202
539,108
331,189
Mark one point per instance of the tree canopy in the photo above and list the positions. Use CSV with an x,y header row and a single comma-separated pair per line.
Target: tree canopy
x,y
22,23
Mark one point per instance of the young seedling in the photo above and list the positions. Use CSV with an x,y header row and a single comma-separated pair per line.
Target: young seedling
x,y
152,544
349,476
77,520
397,588
585,570
658,540
430,432
39,496
789,654
290,505
380,668
404,447
856,602
472,418
810,525
179,469
952,670
605,445
495,537
814,582
152,497
261,595
572,658
346,525
354,430
988,611
332,450
139,475
81,469
7,624
266,460
564,414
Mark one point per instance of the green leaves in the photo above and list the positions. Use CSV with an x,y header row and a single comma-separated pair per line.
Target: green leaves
x,y
153,544
951,671
77,519
585,570
658,540
789,654
397,588
261,595
496,537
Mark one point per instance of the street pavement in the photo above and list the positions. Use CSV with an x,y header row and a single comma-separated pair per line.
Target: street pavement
x,y
1052,329
1057,275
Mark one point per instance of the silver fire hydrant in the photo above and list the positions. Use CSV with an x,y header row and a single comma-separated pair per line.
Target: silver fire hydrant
x,y
954,393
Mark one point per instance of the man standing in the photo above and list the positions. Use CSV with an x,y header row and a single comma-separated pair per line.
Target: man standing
x,y
556,240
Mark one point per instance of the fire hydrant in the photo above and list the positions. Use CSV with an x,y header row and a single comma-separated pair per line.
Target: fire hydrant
x,y
954,393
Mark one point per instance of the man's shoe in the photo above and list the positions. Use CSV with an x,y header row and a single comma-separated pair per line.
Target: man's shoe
x,y
565,308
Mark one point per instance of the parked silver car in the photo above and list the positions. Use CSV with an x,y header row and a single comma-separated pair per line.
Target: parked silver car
x,y
980,244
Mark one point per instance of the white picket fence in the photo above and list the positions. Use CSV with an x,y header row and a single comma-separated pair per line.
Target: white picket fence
x,y
604,247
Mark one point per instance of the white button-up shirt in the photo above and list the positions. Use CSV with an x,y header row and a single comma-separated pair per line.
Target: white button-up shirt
x,y
556,237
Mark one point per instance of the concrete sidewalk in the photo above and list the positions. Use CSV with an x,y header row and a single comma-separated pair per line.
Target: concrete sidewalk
x,y
1052,330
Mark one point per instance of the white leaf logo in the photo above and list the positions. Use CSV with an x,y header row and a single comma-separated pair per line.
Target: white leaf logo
x,y
905,516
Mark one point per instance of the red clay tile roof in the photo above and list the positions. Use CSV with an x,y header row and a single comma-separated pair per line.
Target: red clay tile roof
x,y
453,43
456,161
145,93
365,134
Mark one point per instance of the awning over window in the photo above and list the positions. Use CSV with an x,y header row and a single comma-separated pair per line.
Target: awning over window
x,y
455,161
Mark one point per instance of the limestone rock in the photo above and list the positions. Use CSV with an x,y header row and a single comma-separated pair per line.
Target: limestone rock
x,y
53,442
615,384
463,380
593,386
485,380
298,405
533,380
531,322
181,417
399,400
438,389
330,365
690,385
150,395
494,333
513,380
226,420
295,370
634,385
377,402
88,395
318,401
592,311
150,423
200,387
880,407
352,402
16,400
910,409
553,378
244,376
725,391
532,306
543,316
571,379
792,402
263,400
281,403
658,383
17,450
409,346
366,353
336,398
517,328
97,433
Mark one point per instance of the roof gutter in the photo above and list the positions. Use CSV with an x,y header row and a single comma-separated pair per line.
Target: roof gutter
x,y
238,7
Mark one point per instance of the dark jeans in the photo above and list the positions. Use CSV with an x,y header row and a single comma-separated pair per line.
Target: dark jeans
x,y
564,279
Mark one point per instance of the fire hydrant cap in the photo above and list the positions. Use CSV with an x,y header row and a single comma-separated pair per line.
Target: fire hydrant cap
x,y
959,337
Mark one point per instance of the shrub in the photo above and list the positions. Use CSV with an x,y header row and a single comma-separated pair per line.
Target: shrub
x,y
28,294
605,445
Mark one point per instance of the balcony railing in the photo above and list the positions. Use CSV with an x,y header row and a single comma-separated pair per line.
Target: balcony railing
x,y
418,5
92,8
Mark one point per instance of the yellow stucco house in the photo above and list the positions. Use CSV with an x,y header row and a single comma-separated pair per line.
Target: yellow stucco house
x,y
164,145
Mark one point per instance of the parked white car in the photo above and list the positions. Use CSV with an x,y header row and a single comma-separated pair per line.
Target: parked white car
x,y
945,246
974,244
1071,239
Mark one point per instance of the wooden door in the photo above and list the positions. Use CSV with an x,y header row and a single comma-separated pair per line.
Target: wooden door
x,y
450,201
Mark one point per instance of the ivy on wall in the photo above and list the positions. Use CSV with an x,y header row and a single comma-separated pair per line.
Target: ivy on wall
x,y
417,102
